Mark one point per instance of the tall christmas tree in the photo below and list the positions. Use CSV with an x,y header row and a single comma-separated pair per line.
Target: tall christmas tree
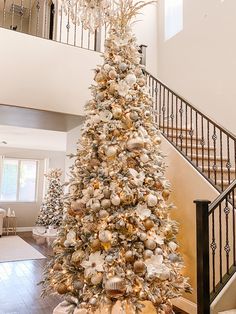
x,y
117,241
51,211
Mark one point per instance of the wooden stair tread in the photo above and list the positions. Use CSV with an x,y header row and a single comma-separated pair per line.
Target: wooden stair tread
x,y
199,147
224,169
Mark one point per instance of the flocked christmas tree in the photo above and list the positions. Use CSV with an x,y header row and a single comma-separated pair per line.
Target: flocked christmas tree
x,y
117,241
51,211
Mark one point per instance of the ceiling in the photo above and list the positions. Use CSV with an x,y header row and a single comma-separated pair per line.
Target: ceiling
x,y
29,138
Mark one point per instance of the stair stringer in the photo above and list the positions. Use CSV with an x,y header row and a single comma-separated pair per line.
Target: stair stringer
x,y
226,299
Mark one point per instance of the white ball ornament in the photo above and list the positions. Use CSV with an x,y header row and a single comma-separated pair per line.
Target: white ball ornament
x,y
111,151
172,245
144,158
130,79
112,74
105,236
96,206
152,200
123,66
106,203
100,96
115,200
134,116
103,214
117,112
107,67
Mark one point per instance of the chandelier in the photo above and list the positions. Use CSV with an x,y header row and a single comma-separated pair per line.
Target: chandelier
x,y
92,14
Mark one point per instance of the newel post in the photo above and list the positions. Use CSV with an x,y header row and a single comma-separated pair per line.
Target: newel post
x,y
203,268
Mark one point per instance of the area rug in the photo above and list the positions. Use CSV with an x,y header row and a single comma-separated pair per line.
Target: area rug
x,y
13,248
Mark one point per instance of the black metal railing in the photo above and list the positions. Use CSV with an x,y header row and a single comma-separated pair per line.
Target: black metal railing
x,y
46,19
216,246
209,147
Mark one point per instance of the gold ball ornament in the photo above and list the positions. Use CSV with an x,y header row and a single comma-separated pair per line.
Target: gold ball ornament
x,y
95,245
100,96
77,257
100,77
165,194
115,287
96,206
134,116
150,244
62,288
129,256
97,279
139,267
77,205
149,224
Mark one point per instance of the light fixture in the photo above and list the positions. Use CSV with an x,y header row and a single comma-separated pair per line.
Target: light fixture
x,y
4,142
92,14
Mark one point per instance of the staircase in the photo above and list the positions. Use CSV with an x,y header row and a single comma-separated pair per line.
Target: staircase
x,y
211,150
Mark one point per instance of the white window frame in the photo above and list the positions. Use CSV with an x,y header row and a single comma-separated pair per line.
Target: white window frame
x,y
173,18
18,179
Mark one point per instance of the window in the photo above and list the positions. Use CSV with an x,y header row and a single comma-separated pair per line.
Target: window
x,y
18,180
173,17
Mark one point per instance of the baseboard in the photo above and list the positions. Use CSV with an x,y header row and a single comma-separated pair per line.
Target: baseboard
x,y
24,229
185,305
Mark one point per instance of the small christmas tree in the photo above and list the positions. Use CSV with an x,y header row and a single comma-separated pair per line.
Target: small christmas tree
x,y
51,211
117,241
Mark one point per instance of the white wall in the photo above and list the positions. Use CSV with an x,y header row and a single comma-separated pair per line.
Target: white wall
x,y
42,74
199,62
26,213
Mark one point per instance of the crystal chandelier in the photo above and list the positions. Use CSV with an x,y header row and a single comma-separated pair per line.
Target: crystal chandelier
x,y
92,14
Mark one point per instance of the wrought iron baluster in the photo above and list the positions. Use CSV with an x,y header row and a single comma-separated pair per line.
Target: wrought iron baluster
x,y
186,128
164,108
4,14
160,95
30,16
168,111
37,19
156,95
203,144
75,25
172,116
220,243
214,137
208,149
68,27
191,132
176,120
196,121
227,246
89,38
13,14
82,34
221,162
45,31
181,124
21,15
234,235
213,249
61,19
228,164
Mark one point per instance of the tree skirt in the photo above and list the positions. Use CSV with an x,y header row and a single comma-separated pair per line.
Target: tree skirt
x,y
62,308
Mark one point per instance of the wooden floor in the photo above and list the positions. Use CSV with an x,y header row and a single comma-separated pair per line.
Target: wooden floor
x,y
19,292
